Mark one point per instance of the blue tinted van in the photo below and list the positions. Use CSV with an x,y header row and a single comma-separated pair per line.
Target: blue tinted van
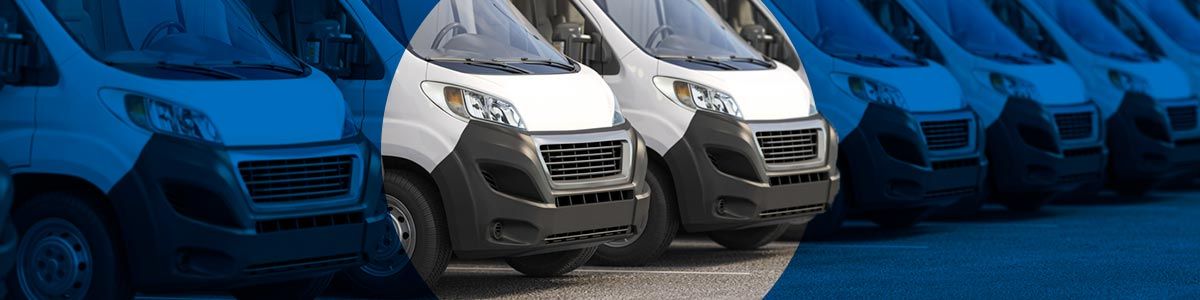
x,y
171,145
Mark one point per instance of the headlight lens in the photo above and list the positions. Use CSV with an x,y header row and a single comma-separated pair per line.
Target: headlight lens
x,y
1128,82
170,118
874,91
1012,86
348,127
697,96
480,106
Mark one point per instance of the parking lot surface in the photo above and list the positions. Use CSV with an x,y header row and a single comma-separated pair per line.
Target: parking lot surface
x,y
1108,247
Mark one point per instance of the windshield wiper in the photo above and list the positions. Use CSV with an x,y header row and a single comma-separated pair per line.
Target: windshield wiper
x,y
256,65
1126,55
526,60
486,64
753,60
702,60
909,58
197,69
870,58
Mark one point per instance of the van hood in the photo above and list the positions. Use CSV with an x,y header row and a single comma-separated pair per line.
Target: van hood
x,y
558,102
762,95
929,88
261,112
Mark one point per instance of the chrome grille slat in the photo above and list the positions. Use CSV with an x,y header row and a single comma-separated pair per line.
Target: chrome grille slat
x,y
583,161
789,146
947,135
1075,126
1182,117
289,180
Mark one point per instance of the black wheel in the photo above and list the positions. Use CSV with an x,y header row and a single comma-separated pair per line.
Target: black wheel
x,y
1132,188
423,239
898,218
551,264
827,224
1027,202
303,289
795,232
67,251
661,225
749,238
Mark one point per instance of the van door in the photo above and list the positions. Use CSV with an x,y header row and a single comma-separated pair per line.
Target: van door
x,y
25,69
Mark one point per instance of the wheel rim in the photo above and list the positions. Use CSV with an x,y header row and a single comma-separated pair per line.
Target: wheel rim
x,y
402,240
55,261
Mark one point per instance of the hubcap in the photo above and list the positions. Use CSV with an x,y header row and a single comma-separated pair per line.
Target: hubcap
x,y
402,240
55,261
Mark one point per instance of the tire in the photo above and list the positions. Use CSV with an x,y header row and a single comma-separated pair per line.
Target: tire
x,y
749,238
1131,188
825,225
1026,202
402,274
662,223
68,229
302,289
898,218
795,232
551,264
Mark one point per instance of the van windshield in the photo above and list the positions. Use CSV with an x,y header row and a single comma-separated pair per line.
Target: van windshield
x,y
176,39
477,35
1084,22
684,30
844,29
973,26
1175,20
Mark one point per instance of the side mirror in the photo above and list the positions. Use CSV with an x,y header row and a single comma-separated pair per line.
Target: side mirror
x,y
326,48
573,39
12,52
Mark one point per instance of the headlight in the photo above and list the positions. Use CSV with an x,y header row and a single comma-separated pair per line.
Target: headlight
x,y
618,118
1012,86
1128,82
348,127
169,118
697,96
874,91
479,106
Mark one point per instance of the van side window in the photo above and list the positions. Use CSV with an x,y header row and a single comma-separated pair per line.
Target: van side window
x,y
24,59
565,26
1125,22
1021,22
757,29
322,35
900,25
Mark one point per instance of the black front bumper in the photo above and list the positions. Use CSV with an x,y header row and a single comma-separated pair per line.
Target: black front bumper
x,y
722,181
1037,149
501,202
1145,143
892,166
189,222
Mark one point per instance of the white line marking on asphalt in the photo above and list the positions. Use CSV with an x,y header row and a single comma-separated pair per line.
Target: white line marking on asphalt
x,y
863,246
507,270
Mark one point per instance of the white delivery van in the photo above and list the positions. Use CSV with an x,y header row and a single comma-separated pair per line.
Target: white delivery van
x,y
737,148
495,145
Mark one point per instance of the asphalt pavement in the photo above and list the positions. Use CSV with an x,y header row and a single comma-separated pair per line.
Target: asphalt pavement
x,y
1109,247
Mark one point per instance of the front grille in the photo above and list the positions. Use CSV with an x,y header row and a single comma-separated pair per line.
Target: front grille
x,y
947,135
303,264
1182,117
791,146
289,180
601,197
954,192
956,163
582,161
587,234
799,178
807,209
1074,126
308,222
